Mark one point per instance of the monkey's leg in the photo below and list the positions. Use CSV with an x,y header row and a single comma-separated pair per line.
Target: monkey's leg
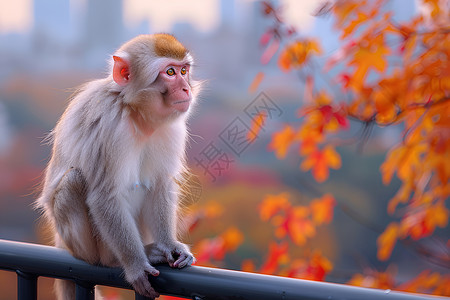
x,y
74,229
71,214
161,219
64,289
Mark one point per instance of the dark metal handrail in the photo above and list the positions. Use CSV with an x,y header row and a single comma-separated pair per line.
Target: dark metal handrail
x,y
31,261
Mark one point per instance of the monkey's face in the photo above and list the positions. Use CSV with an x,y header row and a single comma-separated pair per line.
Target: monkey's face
x,y
177,91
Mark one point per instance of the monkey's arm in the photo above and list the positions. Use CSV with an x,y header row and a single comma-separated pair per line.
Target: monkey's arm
x,y
161,213
119,231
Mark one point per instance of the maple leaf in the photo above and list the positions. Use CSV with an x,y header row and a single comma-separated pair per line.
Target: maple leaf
x,y
315,267
370,55
402,196
299,227
319,161
256,82
297,53
386,110
318,267
216,248
309,140
272,205
343,9
248,265
232,238
278,254
322,209
257,124
361,18
414,94
209,249
420,223
403,160
374,279
427,282
386,241
282,140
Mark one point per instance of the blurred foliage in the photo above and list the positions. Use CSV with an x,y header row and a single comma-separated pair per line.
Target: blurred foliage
x,y
413,92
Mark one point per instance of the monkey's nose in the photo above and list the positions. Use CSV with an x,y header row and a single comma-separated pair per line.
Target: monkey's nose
x,y
187,91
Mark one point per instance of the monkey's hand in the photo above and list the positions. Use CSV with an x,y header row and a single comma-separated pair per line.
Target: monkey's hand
x,y
176,254
139,280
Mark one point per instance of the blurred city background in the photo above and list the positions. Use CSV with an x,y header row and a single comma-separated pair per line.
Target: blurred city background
x,y
47,48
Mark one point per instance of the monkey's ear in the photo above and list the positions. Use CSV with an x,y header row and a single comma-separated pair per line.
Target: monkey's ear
x,y
121,71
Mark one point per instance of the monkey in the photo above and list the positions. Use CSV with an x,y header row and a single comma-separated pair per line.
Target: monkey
x,y
110,187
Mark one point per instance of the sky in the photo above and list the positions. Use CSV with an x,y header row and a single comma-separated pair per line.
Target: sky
x,y
17,17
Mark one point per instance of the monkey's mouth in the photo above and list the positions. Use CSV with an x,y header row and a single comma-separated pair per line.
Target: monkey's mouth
x,y
181,101
181,105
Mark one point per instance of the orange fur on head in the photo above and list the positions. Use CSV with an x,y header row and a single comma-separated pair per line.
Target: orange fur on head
x,y
167,45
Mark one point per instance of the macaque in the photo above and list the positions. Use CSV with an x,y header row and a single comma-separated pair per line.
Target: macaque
x,y
110,190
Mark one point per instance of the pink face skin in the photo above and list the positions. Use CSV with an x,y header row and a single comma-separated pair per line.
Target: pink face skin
x,y
176,79
173,80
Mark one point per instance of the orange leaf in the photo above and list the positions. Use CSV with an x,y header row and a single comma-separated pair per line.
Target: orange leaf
x,y
402,196
374,279
256,82
301,230
299,226
216,248
273,204
318,267
297,53
248,266
386,111
343,9
386,241
232,238
361,18
420,223
278,254
405,160
320,162
257,124
370,55
322,209
213,209
281,141
310,139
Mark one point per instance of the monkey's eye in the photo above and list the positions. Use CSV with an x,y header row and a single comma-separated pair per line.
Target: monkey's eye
x,y
183,71
170,72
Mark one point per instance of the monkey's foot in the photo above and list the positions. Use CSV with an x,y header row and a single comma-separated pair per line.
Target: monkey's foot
x,y
141,284
176,254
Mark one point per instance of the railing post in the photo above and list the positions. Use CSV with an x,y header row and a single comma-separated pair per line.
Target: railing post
x,y
26,286
84,291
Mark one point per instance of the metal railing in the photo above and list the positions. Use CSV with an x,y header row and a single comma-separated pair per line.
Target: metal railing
x,y
30,261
